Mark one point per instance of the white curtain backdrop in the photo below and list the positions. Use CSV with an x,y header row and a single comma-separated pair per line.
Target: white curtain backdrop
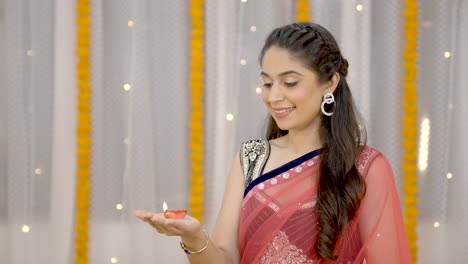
x,y
140,134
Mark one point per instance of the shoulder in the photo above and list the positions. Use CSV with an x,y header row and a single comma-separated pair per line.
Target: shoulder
x,y
253,148
366,157
253,155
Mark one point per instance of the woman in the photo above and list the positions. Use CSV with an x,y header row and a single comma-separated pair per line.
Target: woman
x,y
312,192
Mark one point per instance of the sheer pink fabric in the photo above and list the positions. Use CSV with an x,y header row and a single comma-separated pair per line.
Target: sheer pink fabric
x,y
278,223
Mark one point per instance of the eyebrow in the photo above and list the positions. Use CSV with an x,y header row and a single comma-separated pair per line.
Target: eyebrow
x,y
282,74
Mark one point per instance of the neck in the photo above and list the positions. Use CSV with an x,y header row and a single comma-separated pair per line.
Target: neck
x,y
303,141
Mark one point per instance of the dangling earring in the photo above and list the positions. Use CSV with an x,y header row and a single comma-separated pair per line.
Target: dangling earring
x,y
328,98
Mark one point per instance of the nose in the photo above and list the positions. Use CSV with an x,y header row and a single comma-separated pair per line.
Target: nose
x,y
275,94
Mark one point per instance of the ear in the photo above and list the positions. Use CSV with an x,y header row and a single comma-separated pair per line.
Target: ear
x,y
331,85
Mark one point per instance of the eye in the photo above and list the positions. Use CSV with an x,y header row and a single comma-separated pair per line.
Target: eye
x,y
290,84
267,85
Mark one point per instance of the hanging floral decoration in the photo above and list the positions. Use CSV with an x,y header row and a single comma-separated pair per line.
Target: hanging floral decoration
x,y
196,116
303,11
83,132
409,126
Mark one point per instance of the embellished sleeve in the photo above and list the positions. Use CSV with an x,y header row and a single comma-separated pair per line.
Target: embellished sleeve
x,y
253,157
380,218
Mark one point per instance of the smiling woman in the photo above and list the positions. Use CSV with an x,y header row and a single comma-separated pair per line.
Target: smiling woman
x,y
312,191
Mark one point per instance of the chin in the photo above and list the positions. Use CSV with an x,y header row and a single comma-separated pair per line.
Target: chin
x,y
283,125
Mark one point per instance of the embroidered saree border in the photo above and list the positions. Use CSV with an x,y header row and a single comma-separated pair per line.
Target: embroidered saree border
x,y
283,168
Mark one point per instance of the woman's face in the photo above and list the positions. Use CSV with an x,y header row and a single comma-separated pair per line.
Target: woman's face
x,y
291,92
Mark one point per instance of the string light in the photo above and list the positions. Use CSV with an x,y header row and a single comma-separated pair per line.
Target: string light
x,y
424,144
130,23
229,117
449,175
359,8
38,171
258,90
243,1
126,141
447,54
119,206
243,62
114,260
436,224
30,53
25,229
127,87
253,28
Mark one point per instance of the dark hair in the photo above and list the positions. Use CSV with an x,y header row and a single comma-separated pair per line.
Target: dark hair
x,y
341,187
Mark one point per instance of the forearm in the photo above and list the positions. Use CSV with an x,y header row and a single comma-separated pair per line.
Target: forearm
x,y
211,254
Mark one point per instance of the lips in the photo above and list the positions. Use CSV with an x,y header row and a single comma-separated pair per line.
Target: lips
x,y
283,112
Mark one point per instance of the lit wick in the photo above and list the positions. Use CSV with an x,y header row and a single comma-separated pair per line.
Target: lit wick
x,y
173,214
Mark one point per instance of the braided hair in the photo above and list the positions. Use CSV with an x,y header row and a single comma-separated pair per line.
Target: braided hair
x,y
340,187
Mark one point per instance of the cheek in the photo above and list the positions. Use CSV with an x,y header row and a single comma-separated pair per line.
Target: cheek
x,y
307,100
301,96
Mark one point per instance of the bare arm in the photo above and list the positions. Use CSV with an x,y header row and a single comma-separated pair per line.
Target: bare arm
x,y
225,234
222,247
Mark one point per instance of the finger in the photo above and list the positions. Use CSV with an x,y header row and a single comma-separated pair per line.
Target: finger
x,y
161,225
170,227
140,214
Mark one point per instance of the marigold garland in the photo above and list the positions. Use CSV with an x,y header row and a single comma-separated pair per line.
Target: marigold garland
x,y
409,126
302,11
196,117
83,132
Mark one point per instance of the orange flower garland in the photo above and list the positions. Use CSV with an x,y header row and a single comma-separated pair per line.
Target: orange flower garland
x,y
83,132
409,126
303,11
196,117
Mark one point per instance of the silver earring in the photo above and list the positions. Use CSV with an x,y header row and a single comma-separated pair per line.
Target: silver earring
x,y
328,98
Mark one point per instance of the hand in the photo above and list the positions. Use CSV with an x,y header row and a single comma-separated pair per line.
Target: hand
x,y
188,228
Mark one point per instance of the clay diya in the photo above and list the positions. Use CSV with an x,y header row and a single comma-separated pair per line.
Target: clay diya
x,y
173,213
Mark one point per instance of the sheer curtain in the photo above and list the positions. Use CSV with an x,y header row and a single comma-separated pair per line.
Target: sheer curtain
x,y
36,139
140,108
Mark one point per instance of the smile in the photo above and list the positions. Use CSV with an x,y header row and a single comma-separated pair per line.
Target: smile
x,y
280,113
284,110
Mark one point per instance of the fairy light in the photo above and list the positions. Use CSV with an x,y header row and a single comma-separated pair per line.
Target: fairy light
x,y
229,117
359,8
258,90
447,54
436,224
130,23
424,144
30,52
38,171
114,260
126,141
253,28
119,206
25,229
243,1
449,175
127,87
243,62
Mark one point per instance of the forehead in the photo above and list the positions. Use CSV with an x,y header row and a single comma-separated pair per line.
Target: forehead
x,y
277,60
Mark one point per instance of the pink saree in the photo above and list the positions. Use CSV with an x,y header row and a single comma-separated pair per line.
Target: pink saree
x,y
278,223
